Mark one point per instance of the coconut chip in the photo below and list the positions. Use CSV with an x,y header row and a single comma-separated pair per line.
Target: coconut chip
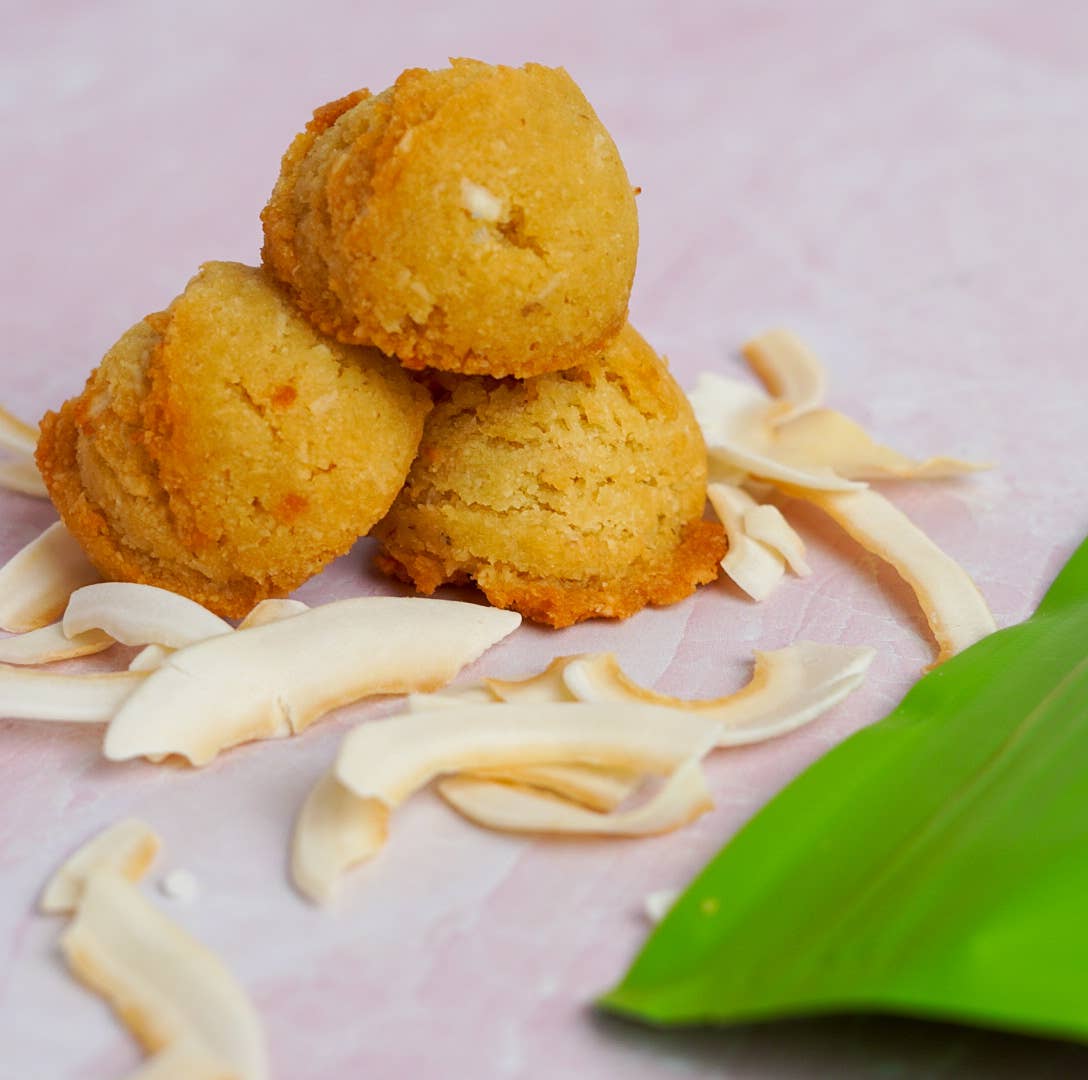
x,y
275,680
141,615
81,699
956,611
789,371
165,986
748,562
21,474
345,818
48,644
36,582
269,611
452,697
592,786
150,657
128,847
766,525
789,687
512,808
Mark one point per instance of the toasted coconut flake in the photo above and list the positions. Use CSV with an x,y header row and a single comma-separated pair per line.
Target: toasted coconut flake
x,y
452,697
789,371
385,761
598,788
150,657
81,699
956,611
36,582
141,615
21,474
128,847
275,680
789,687
48,644
681,799
754,567
736,420
765,524
165,986
187,1059
828,439
659,903
17,435
268,611
334,830
547,686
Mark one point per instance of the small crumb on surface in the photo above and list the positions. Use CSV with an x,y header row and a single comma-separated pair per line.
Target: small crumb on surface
x,y
180,885
657,904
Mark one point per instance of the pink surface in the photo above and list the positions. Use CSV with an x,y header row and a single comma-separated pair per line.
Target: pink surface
x,y
902,184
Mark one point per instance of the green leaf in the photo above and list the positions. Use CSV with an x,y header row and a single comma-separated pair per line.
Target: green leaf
x,y
934,864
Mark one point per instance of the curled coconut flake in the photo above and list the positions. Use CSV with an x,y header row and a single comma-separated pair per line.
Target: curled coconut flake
x,y
275,680
21,474
789,687
956,611
141,615
789,371
452,697
736,421
48,644
17,435
548,685
150,657
81,699
127,847
269,611
765,524
165,986
36,582
385,761
828,439
749,563
681,799
598,788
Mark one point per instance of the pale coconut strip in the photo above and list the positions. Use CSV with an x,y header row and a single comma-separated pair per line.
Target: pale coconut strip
x,y
385,761
128,847
789,370
750,564
150,657
48,644
82,699
334,830
828,439
956,611
268,611
789,687
599,789
275,680
659,903
681,799
767,525
16,434
187,1059
548,685
452,697
735,419
141,615
21,474
165,986
36,582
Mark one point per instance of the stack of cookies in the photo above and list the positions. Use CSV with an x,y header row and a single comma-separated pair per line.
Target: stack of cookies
x,y
435,352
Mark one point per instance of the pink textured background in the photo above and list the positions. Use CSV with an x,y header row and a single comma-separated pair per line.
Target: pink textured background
x,y
903,184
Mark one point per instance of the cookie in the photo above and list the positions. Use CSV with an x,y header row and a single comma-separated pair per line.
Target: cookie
x,y
475,219
227,451
564,497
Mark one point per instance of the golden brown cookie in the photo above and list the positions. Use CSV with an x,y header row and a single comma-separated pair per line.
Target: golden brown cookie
x,y
566,496
225,450
475,219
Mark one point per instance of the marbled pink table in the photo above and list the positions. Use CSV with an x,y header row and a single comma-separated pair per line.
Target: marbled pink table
x,y
903,184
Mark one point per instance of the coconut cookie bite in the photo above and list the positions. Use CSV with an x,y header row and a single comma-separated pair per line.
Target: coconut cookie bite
x,y
567,496
475,219
227,451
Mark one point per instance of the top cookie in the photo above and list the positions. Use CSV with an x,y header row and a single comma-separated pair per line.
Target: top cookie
x,y
475,219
